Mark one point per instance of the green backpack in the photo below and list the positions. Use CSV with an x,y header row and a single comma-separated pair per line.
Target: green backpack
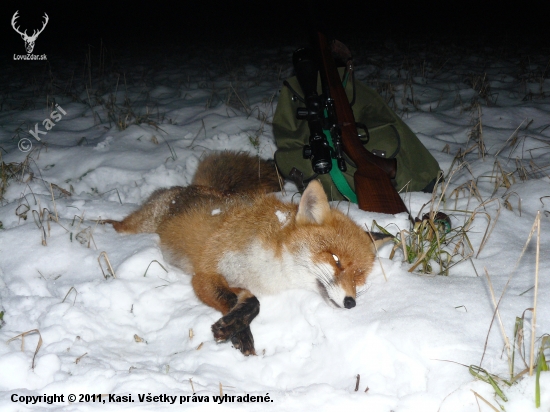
x,y
389,137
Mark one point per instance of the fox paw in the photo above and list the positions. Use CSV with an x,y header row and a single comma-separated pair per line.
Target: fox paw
x,y
227,327
237,320
223,331
244,341
241,339
236,326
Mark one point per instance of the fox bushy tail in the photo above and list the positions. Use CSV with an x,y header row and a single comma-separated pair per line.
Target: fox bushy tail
x,y
237,172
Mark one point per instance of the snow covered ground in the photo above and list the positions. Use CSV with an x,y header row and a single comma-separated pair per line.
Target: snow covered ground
x,y
128,126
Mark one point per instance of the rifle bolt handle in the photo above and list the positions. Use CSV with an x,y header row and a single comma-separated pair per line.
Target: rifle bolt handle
x,y
302,113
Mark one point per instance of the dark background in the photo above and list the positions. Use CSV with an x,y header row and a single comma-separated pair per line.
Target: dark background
x,y
136,26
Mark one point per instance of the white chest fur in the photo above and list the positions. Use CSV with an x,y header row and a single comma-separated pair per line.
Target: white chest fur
x,y
257,269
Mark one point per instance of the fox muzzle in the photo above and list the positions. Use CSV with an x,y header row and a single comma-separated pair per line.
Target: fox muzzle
x,y
349,302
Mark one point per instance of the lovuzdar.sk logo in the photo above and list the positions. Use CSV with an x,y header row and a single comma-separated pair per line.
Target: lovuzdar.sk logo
x,y
29,40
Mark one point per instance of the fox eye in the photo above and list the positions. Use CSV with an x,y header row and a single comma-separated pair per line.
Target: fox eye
x,y
337,260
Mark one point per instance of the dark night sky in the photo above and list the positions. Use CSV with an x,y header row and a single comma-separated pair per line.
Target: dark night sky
x,y
134,24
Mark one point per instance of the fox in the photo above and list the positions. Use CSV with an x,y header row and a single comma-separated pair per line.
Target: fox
x,y
240,241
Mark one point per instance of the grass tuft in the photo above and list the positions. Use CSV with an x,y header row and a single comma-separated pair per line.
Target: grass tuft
x,y
483,375
19,172
431,238
537,358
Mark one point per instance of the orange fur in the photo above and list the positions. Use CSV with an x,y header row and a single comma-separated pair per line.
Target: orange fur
x,y
242,243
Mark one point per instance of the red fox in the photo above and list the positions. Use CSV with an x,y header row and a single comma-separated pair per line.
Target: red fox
x,y
239,241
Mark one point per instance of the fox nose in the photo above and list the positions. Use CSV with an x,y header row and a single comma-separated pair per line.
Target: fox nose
x,y
349,302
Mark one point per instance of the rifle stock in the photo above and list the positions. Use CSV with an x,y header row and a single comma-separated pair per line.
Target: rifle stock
x,y
373,186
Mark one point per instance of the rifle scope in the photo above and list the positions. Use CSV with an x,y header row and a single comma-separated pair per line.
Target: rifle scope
x,y
318,150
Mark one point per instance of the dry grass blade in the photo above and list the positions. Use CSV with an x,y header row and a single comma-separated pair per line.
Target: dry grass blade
x,y
153,261
478,396
476,134
109,267
80,220
38,221
519,342
537,170
203,127
84,236
70,290
535,225
513,138
471,188
503,331
281,181
489,228
508,205
501,177
418,261
534,320
522,171
22,210
61,190
54,205
234,100
403,245
80,357
22,336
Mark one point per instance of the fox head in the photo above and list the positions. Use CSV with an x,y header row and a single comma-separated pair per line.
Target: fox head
x,y
340,254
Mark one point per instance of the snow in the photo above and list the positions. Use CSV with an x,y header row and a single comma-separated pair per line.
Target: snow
x,y
282,217
411,336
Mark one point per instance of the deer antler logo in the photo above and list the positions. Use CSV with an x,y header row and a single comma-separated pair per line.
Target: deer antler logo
x,y
29,40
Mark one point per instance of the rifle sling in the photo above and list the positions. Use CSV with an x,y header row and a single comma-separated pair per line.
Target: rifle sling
x,y
338,177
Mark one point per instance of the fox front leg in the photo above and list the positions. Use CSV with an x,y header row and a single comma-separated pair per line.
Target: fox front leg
x,y
236,324
238,306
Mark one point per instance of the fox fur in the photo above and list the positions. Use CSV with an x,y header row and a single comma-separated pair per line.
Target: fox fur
x,y
240,242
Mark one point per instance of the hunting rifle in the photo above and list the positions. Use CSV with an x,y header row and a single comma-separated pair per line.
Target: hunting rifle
x,y
332,111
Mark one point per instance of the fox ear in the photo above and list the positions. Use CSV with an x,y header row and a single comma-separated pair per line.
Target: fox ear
x,y
314,207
